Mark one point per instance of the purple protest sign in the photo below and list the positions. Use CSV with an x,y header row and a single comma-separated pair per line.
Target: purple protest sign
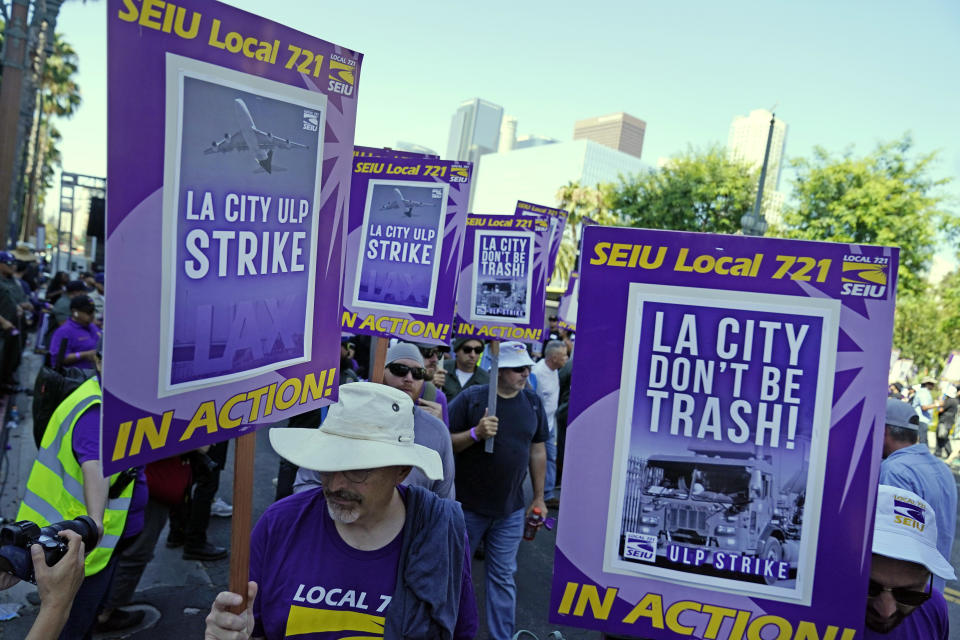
x,y
738,428
567,312
502,287
558,221
384,152
406,229
229,162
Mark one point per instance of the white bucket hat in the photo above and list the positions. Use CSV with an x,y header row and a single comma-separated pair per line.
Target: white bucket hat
x,y
513,354
906,529
370,427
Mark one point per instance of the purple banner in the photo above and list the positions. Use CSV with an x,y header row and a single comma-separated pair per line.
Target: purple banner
x,y
225,225
558,221
502,287
406,229
385,152
738,428
567,313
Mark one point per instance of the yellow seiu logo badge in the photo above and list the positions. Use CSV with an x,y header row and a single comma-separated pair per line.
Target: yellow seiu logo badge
x,y
459,174
864,279
341,78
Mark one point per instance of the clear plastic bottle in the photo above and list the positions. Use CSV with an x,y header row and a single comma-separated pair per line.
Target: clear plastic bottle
x,y
534,520
13,418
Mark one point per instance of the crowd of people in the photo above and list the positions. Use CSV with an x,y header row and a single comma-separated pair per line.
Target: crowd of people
x,y
398,489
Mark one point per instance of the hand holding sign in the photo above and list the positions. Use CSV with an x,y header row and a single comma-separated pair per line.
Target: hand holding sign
x,y
488,426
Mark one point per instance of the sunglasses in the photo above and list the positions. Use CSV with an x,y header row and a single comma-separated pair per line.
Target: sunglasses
x,y
476,350
356,476
519,369
429,352
401,370
907,597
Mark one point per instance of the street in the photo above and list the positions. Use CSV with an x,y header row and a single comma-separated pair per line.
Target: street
x,y
176,593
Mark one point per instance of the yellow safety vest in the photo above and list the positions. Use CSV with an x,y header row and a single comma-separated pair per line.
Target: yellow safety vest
x,y
55,486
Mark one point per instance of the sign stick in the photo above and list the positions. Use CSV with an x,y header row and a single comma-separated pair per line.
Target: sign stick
x,y
242,515
492,393
379,358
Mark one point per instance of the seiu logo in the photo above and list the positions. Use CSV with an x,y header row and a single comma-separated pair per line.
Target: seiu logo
x,y
639,546
459,174
341,78
311,120
908,510
864,280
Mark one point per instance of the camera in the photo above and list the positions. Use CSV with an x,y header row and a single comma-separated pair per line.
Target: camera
x,y
16,538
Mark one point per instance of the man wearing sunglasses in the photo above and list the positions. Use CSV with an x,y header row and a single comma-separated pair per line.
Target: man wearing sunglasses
x,y
902,603
404,371
363,556
462,370
490,485
436,376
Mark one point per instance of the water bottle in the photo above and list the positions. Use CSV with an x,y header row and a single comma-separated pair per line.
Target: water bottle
x,y
534,520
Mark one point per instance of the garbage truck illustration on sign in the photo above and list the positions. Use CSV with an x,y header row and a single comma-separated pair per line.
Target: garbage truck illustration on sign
x,y
718,512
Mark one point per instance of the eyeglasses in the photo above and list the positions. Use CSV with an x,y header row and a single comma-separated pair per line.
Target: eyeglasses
x,y
356,476
476,350
904,596
429,352
401,370
519,369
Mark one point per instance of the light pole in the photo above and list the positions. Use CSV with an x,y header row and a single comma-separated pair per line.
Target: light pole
x,y
752,222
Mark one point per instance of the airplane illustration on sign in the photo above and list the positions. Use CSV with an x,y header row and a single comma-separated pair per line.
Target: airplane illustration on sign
x,y
260,144
407,205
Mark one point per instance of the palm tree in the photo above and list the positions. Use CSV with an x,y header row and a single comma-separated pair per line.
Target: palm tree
x,y
581,203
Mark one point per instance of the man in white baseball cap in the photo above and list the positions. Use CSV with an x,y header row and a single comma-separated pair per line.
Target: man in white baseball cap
x,y
362,554
490,485
902,602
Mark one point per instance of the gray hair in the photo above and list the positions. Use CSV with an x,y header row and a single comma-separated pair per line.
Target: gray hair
x,y
552,346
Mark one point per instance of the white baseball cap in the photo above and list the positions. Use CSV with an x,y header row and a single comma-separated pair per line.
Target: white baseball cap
x,y
906,529
371,426
514,354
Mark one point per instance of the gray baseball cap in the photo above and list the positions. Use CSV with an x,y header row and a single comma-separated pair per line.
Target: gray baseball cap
x,y
900,414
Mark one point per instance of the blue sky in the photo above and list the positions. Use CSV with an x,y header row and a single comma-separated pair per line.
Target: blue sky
x,y
850,73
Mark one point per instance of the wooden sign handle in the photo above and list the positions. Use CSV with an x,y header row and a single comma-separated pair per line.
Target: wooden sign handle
x,y
379,358
241,523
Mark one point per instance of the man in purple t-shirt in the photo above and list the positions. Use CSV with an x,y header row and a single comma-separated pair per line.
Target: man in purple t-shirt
x,y
361,555
902,603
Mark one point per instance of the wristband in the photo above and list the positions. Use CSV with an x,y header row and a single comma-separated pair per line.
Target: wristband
x,y
473,434
76,356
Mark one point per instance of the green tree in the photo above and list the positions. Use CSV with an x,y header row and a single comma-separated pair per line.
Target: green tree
x,y
694,191
886,197
581,202
916,331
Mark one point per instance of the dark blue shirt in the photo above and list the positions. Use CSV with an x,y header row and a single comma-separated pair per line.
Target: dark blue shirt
x,y
492,484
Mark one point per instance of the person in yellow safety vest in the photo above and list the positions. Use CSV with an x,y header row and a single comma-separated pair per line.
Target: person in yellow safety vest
x,y
67,481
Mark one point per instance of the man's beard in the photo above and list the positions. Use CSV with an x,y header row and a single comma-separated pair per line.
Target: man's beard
x,y
885,625
344,514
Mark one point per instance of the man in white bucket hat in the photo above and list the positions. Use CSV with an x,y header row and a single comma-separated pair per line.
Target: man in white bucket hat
x,y
361,554
901,600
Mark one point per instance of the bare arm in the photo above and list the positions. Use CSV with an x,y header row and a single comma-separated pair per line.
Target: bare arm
x,y
538,474
95,490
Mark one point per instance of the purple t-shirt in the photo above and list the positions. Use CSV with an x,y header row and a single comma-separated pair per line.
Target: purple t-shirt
x,y
79,338
929,622
441,399
315,586
86,446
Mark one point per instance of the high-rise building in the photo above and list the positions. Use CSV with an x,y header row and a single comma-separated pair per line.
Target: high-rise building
x,y
619,131
536,173
532,140
508,134
474,130
748,142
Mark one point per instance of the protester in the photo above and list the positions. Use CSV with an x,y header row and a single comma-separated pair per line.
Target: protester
x,y
13,304
902,603
490,485
925,401
67,480
362,555
80,333
95,283
61,309
462,371
404,371
57,586
436,376
190,519
909,465
548,388
57,286
946,421
895,390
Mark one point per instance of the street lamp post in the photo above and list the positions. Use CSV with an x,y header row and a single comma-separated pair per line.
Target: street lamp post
x,y
752,222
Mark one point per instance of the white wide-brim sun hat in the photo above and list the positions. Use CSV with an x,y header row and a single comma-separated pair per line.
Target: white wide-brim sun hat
x,y
371,426
906,529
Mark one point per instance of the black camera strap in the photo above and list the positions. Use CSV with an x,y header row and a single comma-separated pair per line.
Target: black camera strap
x,y
122,482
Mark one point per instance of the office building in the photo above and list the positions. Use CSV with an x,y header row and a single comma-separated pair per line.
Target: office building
x,y
536,173
508,134
474,130
748,141
619,131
